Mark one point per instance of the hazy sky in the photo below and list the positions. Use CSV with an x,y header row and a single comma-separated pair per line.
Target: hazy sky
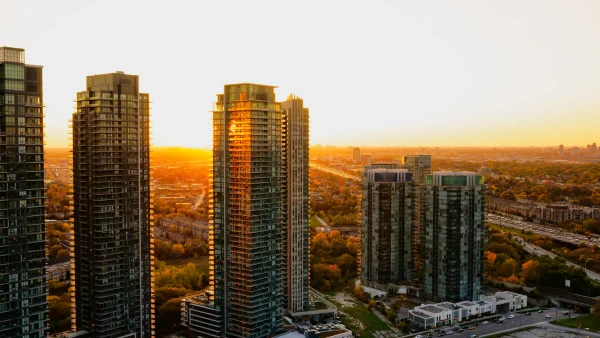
x,y
372,72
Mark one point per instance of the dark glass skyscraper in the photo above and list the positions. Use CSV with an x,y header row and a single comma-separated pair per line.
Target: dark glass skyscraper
x,y
22,228
258,236
387,224
453,236
295,269
248,192
113,258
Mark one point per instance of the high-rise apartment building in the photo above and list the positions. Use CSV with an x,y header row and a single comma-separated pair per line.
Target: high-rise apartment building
x,y
387,224
112,242
420,167
23,307
356,155
247,217
295,269
561,150
593,148
454,236
258,235
575,151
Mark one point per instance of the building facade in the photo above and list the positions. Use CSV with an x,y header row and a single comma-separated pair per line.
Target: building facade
x,y
420,167
23,307
295,269
113,253
387,224
248,186
453,236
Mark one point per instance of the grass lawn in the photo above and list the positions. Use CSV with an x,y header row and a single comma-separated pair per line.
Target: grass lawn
x,y
201,263
313,222
370,321
587,321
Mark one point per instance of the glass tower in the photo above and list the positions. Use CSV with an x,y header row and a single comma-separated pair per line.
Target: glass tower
x,y
454,236
113,248
248,185
387,224
295,269
22,229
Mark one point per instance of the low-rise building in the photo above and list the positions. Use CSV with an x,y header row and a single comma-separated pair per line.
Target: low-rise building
x,y
429,316
507,300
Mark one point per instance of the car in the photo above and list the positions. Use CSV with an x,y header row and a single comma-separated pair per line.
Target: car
x,y
511,316
587,329
484,322
441,334
449,332
540,311
471,327
528,313
501,318
473,336
547,316
460,329
418,336
565,312
576,311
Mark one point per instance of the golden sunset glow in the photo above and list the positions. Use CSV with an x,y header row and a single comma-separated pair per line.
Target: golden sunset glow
x,y
426,73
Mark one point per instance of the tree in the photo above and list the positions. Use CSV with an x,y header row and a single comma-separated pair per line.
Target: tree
x,y
391,314
529,271
170,316
372,304
177,251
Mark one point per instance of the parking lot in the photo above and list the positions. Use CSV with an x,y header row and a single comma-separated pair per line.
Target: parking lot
x,y
518,321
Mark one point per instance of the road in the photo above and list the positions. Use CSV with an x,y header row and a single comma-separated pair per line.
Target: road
x,y
544,230
509,324
334,171
326,228
536,250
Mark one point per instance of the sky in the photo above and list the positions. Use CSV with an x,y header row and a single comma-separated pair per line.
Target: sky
x,y
373,73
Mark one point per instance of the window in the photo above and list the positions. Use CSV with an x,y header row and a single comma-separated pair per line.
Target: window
x,y
12,85
14,71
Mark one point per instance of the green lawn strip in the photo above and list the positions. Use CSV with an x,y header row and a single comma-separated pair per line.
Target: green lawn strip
x,y
359,312
587,321
313,222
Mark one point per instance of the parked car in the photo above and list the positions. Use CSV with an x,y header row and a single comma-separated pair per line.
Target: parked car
x,y
449,332
540,311
473,336
511,316
528,313
472,328
418,336
547,316
565,312
441,334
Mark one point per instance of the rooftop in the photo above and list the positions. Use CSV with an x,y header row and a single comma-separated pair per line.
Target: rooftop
x,y
431,308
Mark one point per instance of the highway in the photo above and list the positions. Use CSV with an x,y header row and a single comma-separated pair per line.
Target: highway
x,y
544,230
334,171
536,250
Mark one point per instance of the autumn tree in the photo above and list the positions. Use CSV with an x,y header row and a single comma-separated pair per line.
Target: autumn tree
x,y
529,271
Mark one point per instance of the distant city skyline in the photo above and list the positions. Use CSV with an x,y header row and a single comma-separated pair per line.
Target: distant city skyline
x,y
386,73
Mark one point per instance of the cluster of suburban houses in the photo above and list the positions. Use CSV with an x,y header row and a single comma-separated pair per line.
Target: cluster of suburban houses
x,y
549,212
446,313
